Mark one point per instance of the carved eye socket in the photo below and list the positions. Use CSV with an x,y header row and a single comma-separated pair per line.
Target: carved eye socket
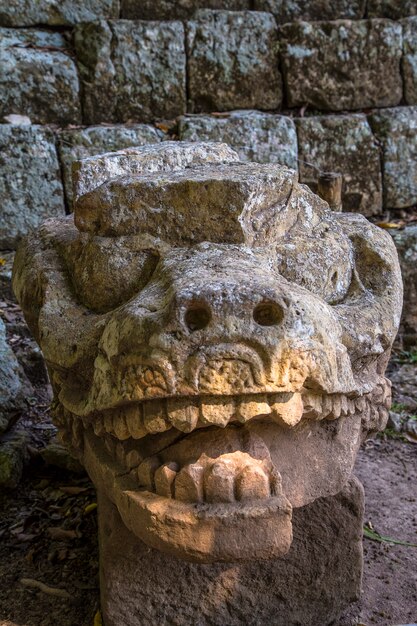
x,y
322,264
197,316
105,273
268,314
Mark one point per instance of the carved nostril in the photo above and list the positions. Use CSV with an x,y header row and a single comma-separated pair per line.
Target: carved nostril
x,y
268,314
197,316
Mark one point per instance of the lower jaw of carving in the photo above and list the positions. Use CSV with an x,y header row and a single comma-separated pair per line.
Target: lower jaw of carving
x,y
226,509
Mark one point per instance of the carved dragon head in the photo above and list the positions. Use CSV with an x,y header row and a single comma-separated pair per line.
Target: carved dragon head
x,y
216,339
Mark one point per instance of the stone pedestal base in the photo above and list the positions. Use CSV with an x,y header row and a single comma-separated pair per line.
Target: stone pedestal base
x,y
310,586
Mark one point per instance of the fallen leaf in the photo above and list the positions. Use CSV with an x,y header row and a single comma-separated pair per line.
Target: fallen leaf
x,y
374,536
90,507
62,534
73,491
52,591
97,619
390,224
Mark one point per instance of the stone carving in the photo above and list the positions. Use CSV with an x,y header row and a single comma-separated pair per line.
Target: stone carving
x,y
216,339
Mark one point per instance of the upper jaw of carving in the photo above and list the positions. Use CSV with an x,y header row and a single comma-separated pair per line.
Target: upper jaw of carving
x,y
136,420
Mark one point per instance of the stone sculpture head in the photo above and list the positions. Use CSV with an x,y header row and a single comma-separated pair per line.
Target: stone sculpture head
x,y
216,339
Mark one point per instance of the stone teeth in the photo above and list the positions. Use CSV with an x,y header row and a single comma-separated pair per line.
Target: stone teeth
x,y
182,414
108,422
252,484
327,406
109,444
134,421
219,481
98,426
360,403
132,459
217,411
337,406
289,412
248,409
189,483
154,416
146,472
164,479
120,428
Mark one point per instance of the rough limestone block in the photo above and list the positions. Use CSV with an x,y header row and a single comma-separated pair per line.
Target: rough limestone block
x,y
174,9
396,129
256,136
81,143
406,244
30,181
131,70
38,77
409,64
393,9
55,12
311,585
342,65
233,61
12,382
343,144
312,10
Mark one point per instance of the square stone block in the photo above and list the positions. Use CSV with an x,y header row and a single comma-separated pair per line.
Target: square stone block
x,y
174,9
233,61
131,70
393,9
256,136
38,77
84,142
343,144
410,60
312,10
396,130
311,585
55,12
30,181
343,64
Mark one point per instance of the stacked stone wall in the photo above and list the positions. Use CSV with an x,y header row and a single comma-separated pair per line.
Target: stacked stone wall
x,y
311,84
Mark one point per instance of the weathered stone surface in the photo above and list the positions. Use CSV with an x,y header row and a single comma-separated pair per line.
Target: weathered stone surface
x,y
406,244
131,70
58,455
393,9
343,144
396,129
30,181
191,290
90,173
139,584
409,63
56,12
312,10
13,457
38,77
233,61
175,9
81,143
12,383
342,65
256,136
216,340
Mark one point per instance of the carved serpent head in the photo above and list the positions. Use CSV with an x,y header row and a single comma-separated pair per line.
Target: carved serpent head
x,y
216,340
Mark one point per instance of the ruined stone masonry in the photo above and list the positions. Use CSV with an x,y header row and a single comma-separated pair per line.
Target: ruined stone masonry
x,y
216,340
268,81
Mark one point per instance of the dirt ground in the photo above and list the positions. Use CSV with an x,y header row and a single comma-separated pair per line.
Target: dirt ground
x,y
48,525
